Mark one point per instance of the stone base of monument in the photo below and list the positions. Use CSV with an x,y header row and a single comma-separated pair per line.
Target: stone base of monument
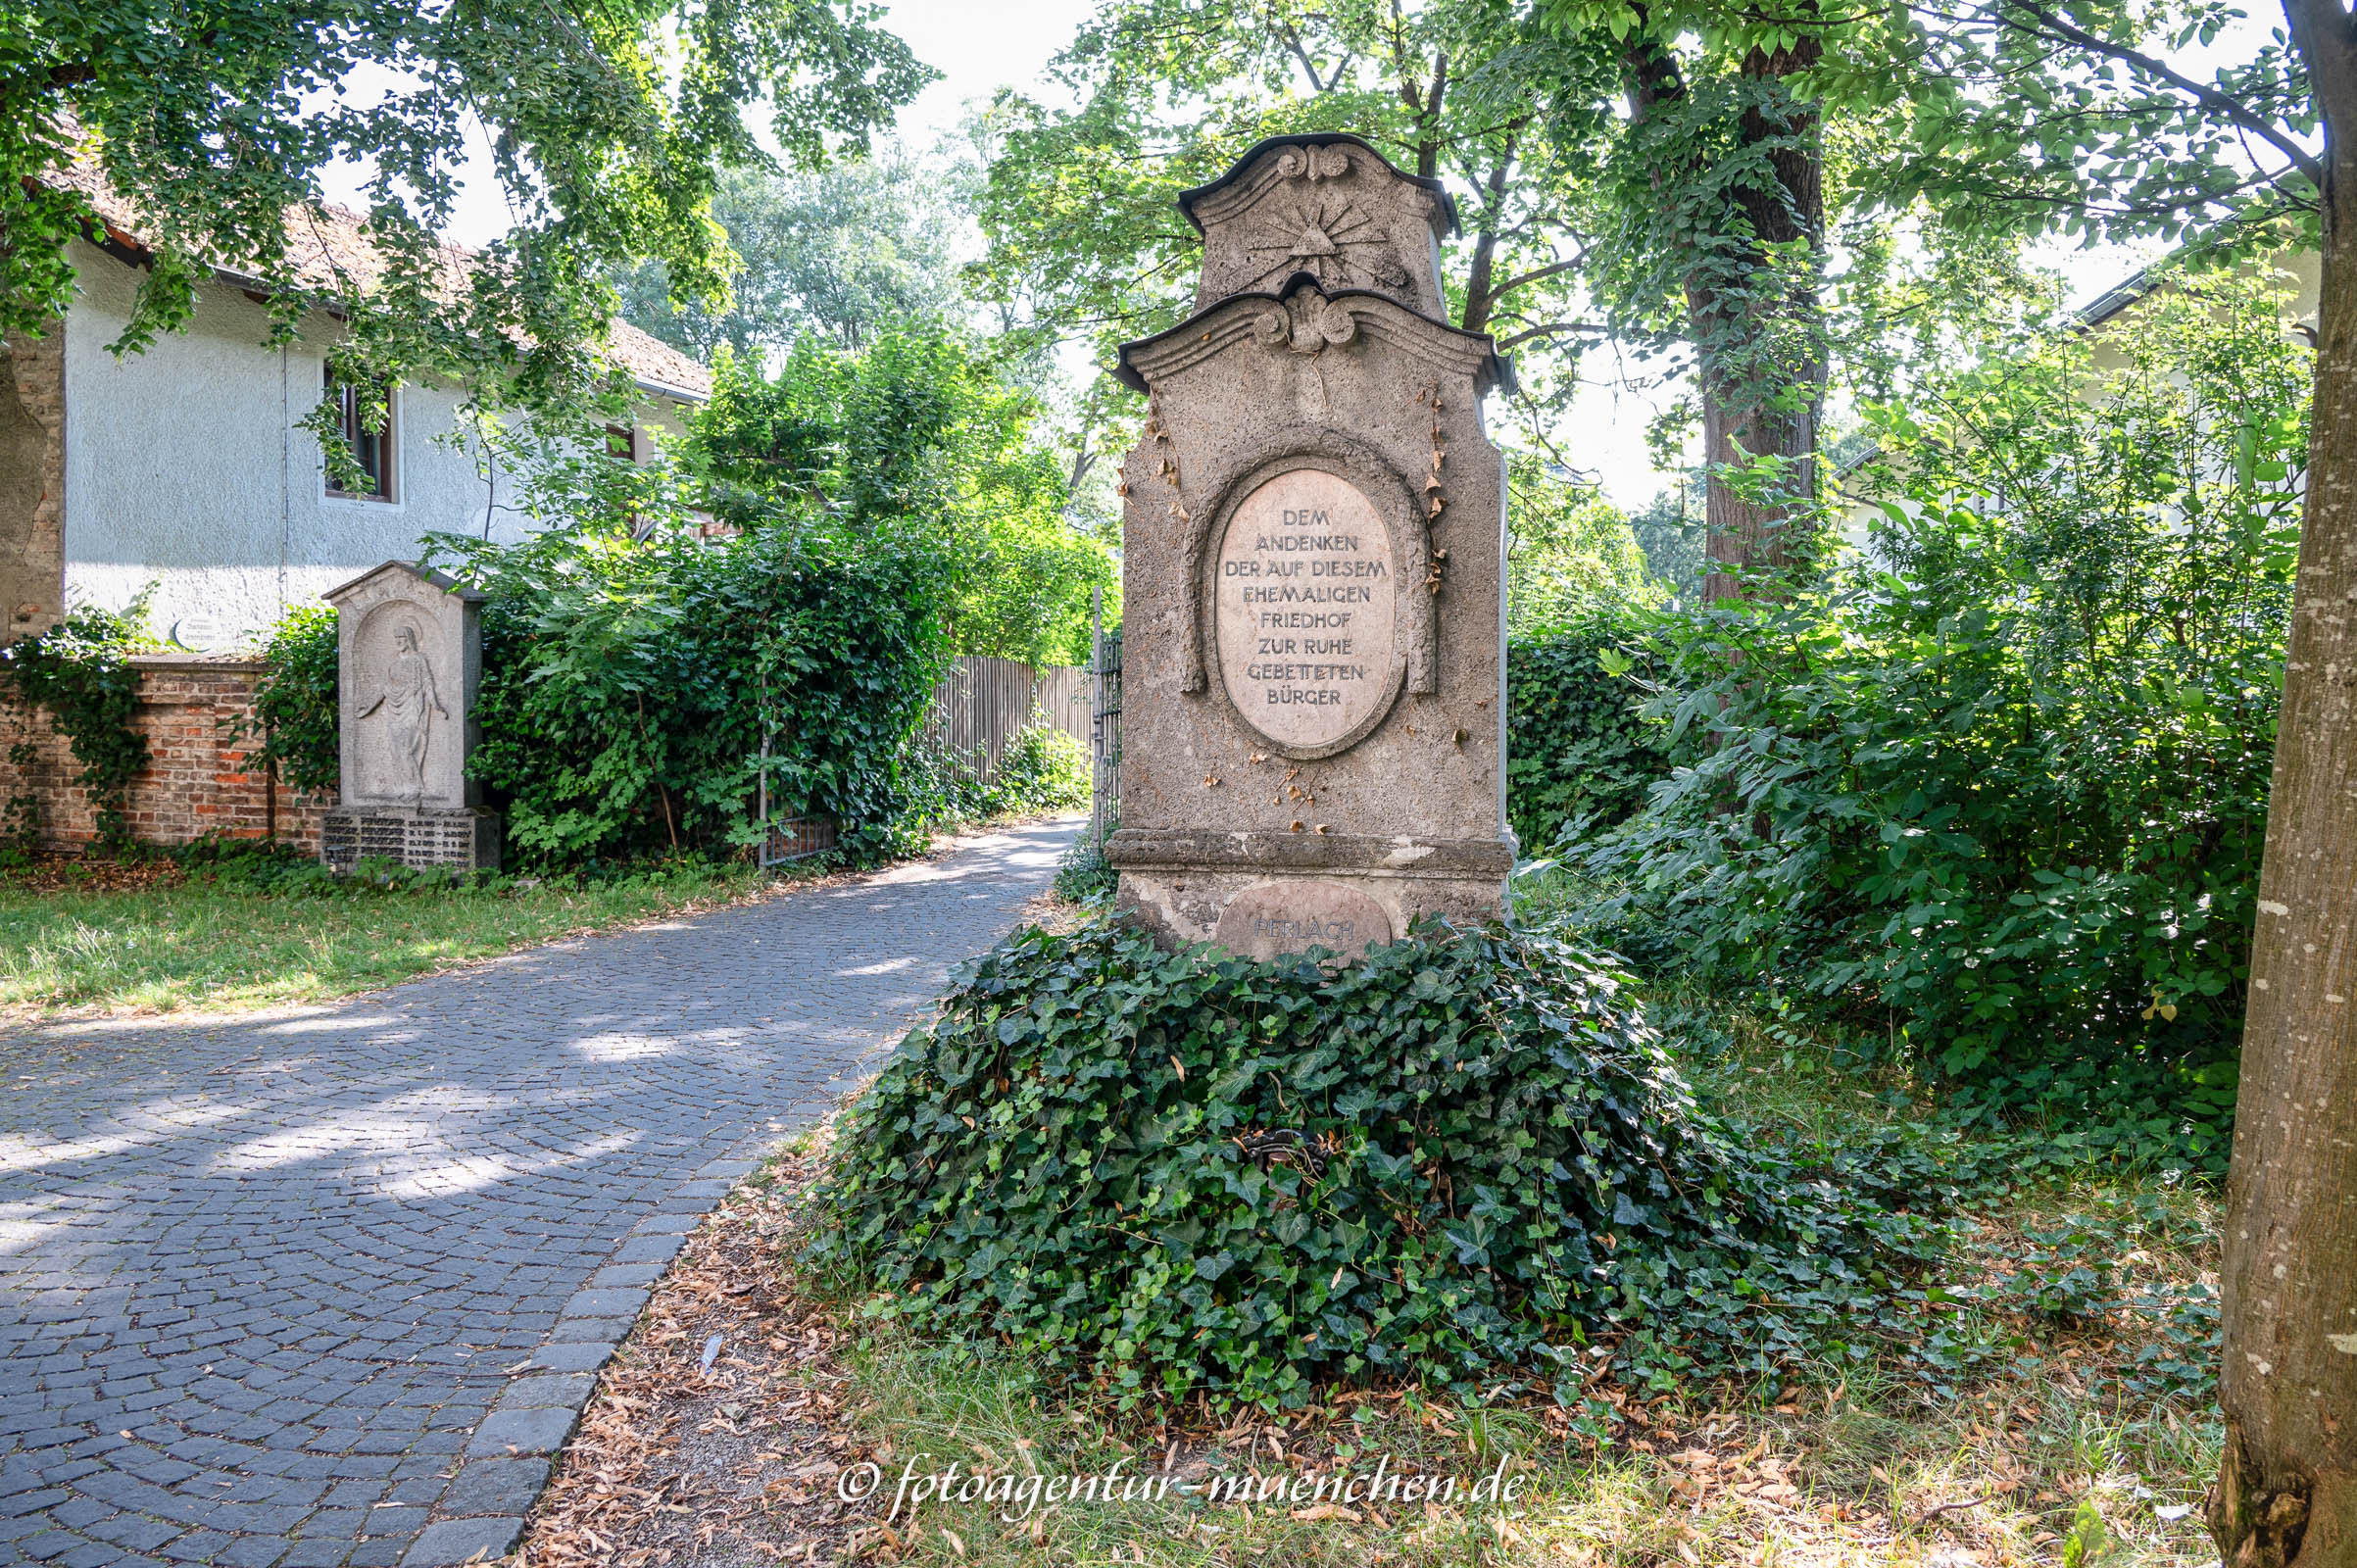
x,y
1259,895
461,841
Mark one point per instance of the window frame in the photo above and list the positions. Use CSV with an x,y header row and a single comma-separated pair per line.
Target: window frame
x,y
388,491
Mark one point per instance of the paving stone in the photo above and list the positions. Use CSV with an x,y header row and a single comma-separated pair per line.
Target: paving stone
x,y
657,1249
584,1357
457,1540
606,1303
522,1432
320,1239
494,1487
569,1390
590,1330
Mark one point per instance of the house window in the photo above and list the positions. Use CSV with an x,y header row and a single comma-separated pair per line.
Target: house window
x,y
356,408
622,441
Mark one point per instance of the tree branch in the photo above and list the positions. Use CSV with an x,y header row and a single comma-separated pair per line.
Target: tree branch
x,y
2210,98
1551,330
1536,274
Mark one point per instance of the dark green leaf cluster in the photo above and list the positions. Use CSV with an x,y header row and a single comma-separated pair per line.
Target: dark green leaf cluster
x,y
1175,1171
1579,749
628,687
295,712
217,124
80,674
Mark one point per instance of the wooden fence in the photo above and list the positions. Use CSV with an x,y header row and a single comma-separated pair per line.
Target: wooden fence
x,y
981,705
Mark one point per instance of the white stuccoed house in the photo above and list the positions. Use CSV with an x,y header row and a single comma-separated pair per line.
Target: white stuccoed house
x,y
185,465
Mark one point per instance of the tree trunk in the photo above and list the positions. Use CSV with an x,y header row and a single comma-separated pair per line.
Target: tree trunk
x,y
2286,1491
1743,534
1761,363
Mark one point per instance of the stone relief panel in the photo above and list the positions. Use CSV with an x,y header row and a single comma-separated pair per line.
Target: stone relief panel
x,y
1335,211
407,723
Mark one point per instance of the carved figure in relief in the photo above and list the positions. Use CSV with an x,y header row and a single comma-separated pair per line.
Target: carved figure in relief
x,y
410,703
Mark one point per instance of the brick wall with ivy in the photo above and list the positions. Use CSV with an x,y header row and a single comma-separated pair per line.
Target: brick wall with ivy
x,y
199,777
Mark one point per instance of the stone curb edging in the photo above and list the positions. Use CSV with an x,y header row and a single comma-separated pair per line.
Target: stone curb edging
x,y
480,1513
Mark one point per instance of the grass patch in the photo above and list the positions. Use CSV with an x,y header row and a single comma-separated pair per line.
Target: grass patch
x,y
200,937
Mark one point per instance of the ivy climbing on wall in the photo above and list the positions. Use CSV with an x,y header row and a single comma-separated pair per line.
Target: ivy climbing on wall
x,y
80,674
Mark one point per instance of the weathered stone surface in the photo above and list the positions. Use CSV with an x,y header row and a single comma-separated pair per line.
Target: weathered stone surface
x,y
33,482
1328,206
409,664
409,652
1313,448
1271,918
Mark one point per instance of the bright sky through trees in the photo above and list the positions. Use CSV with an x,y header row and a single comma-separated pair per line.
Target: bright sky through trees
x,y
981,48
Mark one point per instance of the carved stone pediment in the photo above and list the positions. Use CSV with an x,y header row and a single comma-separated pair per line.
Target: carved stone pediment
x,y
1330,207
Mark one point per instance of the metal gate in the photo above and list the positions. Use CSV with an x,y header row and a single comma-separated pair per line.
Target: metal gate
x,y
1104,735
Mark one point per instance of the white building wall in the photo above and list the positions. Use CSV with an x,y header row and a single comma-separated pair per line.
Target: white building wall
x,y
186,468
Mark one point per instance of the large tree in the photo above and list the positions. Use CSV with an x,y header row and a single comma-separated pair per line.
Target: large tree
x,y
1710,215
844,252
2286,1492
209,125
1636,167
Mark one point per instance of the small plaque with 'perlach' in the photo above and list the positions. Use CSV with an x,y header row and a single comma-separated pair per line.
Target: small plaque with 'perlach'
x,y
1270,919
1306,607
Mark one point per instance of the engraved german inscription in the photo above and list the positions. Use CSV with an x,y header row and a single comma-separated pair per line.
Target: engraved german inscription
x,y
1304,609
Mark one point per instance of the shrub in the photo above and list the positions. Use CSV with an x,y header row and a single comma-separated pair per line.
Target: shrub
x,y
1044,769
1083,874
1463,1153
1578,747
628,686
296,706
1996,794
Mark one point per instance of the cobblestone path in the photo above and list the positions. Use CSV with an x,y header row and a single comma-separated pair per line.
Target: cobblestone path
x,y
327,1288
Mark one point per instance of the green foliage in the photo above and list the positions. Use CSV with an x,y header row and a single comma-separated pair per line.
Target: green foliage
x,y
1578,750
1044,769
628,686
80,674
1462,1154
1669,529
212,121
1078,203
295,710
1082,874
914,432
1997,792
844,252
1568,550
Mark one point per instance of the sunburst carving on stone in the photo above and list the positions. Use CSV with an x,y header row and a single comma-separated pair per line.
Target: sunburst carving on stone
x,y
1332,240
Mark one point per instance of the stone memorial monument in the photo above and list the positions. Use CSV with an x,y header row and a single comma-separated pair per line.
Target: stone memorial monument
x,y
408,660
1314,557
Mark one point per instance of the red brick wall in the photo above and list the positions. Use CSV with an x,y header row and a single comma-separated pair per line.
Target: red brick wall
x,y
198,779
